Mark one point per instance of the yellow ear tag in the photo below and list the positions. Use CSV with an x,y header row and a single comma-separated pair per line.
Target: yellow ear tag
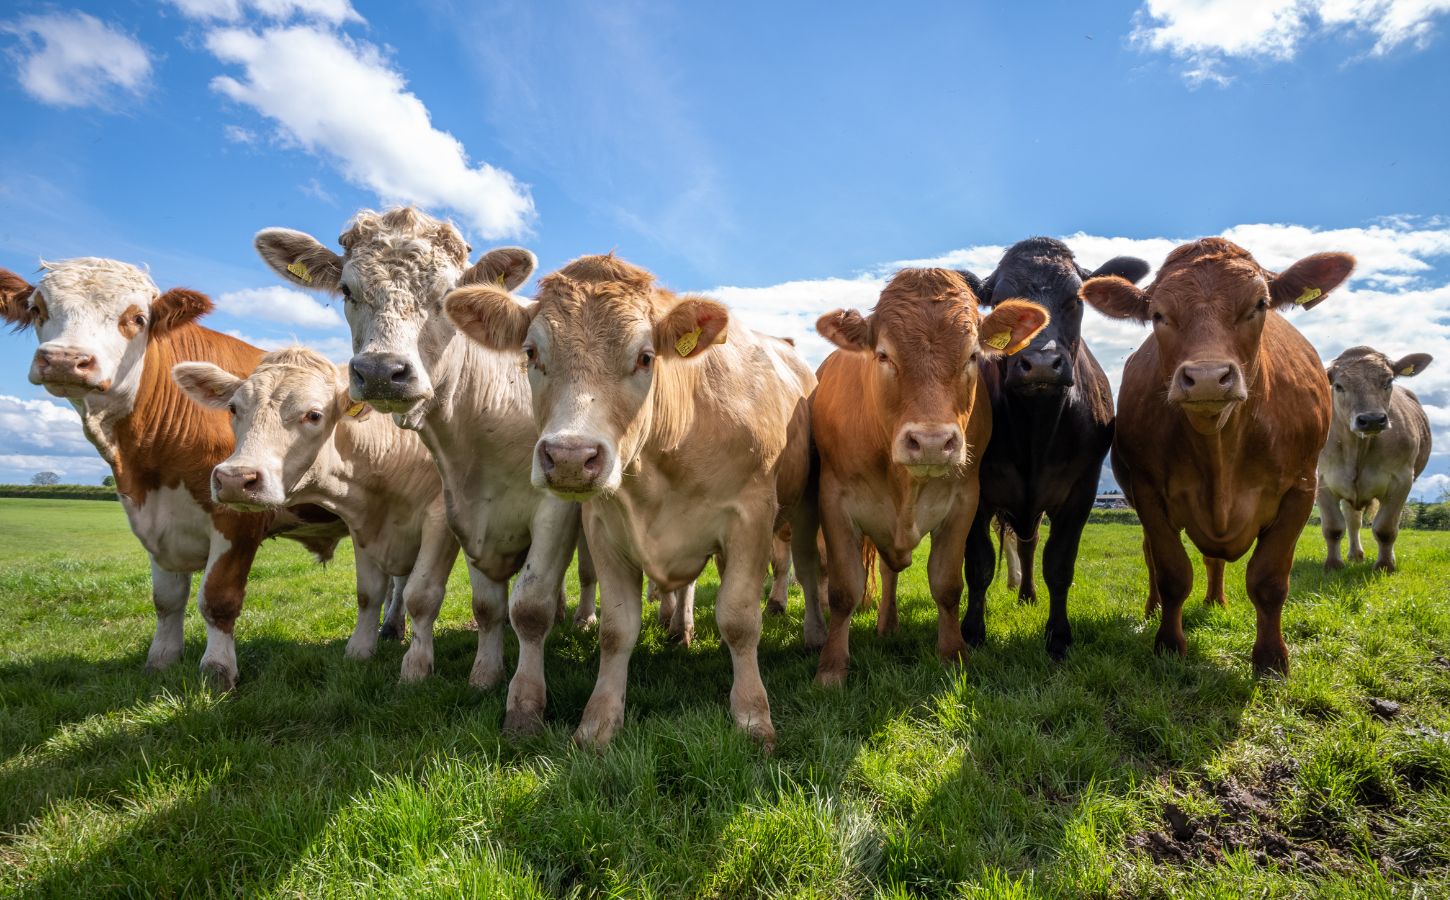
x,y
999,341
356,409
1407,370
500,279
1308,295
686,344
300,271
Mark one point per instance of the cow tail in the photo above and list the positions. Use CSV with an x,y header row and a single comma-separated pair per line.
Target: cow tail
x,y
873,587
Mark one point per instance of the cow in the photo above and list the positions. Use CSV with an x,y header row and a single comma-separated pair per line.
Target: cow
x,y
1052,425
901,418
471,407
108,340
301,439
1379,443
685,434
1221,415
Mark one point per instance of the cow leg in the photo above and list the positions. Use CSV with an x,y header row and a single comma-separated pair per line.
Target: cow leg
x,y
1331,524
845,583
1171,573
682,622
1387,526
665,600
779,575
1026,558
737,613
1213,594
373,585
1154,601
585,615
1014,559
886,621
554,534
619,595
169,593
424,592
490,609
1354,523
805,555
223,590
1268,579
944,568
395,621
981,568
1059,563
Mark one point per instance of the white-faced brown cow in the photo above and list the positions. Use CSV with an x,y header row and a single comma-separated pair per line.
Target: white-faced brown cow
x,y
472,409
1221,416
108,340
686,433
900,420
301,439
1378,445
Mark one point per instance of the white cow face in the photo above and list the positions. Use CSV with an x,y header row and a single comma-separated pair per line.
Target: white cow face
x,y
93,318
283,415
395,270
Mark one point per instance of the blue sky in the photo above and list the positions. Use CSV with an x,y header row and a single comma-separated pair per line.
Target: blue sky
x,y
783,156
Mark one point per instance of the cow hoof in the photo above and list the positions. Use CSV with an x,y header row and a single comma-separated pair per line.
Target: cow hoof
x,y
956,655
685,637
523,722
763,733
595,734
1058,644
1220,602
358,651
1387,568
161,662
416,668
974,633
1169,644
1271,662
1027,599
485,677
832,677
815,640
391,633
1333,565
219,677
774,609
887,626
585,623
1356,557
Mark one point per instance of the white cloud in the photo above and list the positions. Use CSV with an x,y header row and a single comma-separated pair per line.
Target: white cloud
x,y
1207,33
75,59
337,349
42,435
17,468
341,98
334,11
281,305
239,135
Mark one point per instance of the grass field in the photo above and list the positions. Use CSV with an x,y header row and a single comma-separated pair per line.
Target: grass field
x,y
1115,774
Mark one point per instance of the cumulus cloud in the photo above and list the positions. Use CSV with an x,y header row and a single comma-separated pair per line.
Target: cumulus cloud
x,y
341,98
338,349
1207,33
334,11
40,436
281,305
75,59
1398,299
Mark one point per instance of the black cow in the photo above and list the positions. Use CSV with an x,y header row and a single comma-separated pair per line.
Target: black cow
x,y
1052,425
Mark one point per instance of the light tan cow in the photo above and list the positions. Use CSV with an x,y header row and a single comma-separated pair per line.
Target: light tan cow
x,y
301,439
687,436
1379,443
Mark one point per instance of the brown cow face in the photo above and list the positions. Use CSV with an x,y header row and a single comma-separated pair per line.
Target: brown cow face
x,y
926,336
609,359
1364,380
1208,307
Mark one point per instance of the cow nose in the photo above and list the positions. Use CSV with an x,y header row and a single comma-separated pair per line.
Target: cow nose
x,y
1043,367
380,375
1371,422
235,482
65,362
1209,382
930,445
571,462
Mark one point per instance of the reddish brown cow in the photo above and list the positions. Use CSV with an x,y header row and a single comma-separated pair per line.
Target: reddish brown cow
x,y
1221,416
900,418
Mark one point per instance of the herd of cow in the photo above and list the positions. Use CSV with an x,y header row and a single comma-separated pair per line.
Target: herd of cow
x,y
469,420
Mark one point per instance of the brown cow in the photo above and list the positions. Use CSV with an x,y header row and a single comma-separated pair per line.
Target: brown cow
x,y
683,444
900,419
108,341
1221,415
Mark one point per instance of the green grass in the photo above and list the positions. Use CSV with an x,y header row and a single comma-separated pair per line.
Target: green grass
x,y
1116,774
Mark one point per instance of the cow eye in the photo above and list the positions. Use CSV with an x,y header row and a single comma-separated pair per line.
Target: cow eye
x,y
232,408
1263,304
644,361
531,353
346,292
881,357
1339,387
314,416
138,320
1157,317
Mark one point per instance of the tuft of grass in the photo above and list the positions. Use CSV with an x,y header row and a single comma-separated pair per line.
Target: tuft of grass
x,y
1113,774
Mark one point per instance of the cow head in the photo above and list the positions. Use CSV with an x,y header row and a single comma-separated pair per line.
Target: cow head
x,y
611,359
93,318
393,273
282,416
1208,306
1043,270
927,336
1363,380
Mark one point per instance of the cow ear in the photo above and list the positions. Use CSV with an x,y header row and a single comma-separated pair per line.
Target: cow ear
x,y
691,327
847,329
300,259
347,407
1115,297
15,300
1308,282
208,385
976,284
489,316
176,307
505,267
1011,326
1413,364
1128,268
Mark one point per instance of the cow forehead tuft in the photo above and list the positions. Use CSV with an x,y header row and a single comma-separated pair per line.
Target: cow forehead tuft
x,y
407,229
92,278
1362,361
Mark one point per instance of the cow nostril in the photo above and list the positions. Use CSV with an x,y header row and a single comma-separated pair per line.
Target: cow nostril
x,y
1057,364
1226,379
950,446
546,459
84,363
1026,364
592,462
912,444
402,372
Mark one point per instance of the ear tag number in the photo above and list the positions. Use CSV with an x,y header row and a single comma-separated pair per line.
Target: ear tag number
x,y
300,270
686,344
1309,295
356,409
999,340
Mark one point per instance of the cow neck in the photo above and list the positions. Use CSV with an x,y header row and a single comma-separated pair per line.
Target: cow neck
x,y
1219,450
363,459
1043,415
473,388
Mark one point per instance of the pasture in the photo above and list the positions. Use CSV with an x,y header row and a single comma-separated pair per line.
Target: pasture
x,y
1116,774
